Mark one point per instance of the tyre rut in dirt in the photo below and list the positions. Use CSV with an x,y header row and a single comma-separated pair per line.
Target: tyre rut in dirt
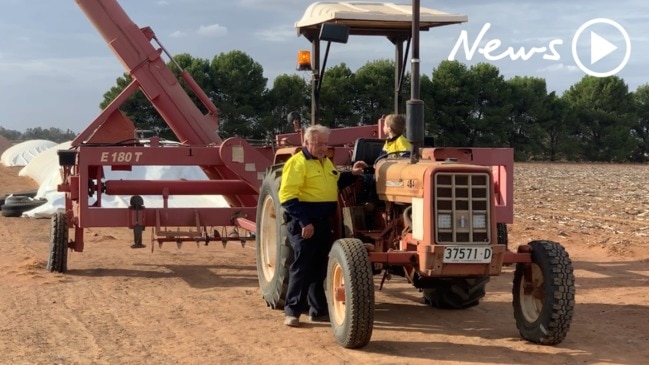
x,y
544,312
274,254
456,293
349,268
58,256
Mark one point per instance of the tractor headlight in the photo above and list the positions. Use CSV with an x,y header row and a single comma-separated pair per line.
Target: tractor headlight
x,y
444,221
479,221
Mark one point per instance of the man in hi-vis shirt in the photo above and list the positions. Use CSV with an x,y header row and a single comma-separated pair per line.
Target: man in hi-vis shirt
x,y
309,195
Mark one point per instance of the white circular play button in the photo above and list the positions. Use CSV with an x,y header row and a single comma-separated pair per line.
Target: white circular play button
x,y
602,49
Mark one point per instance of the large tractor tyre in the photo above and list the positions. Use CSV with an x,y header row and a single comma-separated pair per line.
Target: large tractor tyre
x,y
15,206
274,252
27,193
501,231
456,293
58,256
350,293
543,311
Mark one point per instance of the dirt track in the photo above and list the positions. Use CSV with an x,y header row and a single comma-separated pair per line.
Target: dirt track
x,y
201,305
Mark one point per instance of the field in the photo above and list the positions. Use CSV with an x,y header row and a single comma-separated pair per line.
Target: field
x,y
202,305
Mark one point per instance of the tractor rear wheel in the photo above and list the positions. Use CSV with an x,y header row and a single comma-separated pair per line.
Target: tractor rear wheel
x,y
58,256
456,293
350,293
543,311
274,254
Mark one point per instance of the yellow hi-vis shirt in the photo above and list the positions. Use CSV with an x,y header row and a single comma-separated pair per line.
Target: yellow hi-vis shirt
x,y
309,188
399,144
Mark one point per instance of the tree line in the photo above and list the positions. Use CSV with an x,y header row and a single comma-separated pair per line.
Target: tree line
x,y
51,134
596,119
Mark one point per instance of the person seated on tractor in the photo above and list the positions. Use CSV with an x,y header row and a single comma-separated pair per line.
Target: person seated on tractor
x,y
394,126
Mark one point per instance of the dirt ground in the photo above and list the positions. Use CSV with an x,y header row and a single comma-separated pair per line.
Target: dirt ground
x,y
202,305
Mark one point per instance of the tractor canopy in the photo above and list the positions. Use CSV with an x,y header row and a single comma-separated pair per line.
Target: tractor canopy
x,y
334,21
371,18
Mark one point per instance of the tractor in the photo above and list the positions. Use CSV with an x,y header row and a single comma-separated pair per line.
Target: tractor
x,y
438,217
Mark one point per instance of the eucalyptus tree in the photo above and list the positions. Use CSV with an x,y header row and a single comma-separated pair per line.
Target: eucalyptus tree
x,y
338,96
289,93
238,90
601,118
451,96
555,144
530,118
491,107
374,85
641,126
471,105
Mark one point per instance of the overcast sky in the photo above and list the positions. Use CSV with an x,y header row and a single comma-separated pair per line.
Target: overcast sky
x,y
55,68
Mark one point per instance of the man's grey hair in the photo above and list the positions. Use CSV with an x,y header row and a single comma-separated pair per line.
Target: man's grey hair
x,y
316,129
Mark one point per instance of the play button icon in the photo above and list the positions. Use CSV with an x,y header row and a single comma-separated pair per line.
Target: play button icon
x,y
602,48
599,47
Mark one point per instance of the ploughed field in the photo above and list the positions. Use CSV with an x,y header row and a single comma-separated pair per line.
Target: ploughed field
x,y
202,305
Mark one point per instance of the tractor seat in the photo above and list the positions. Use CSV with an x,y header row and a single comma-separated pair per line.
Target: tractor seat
x,y
367,150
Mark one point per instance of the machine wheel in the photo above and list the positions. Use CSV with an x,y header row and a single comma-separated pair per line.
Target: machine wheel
x,y
349,273
456,293
501,231
544,311
28,193
58,257
274,252
15,206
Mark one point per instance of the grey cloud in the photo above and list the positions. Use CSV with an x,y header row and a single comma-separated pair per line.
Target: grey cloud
x,y
276,34
214,30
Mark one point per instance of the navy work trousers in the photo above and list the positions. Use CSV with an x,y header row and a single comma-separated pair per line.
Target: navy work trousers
x,y
308,270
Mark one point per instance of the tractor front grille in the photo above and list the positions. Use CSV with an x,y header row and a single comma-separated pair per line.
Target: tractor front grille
x,y
462,208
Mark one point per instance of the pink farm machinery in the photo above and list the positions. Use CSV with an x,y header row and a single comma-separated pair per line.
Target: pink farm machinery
x,y
437,218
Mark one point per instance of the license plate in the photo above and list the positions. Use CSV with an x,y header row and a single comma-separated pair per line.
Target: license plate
x,y
467,255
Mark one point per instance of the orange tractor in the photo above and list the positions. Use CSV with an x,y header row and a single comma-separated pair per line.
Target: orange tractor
x,y
438,218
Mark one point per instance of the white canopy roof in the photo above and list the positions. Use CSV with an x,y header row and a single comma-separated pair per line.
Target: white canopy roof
x,y
361,15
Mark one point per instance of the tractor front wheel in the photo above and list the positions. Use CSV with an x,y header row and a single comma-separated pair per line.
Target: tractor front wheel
x,y
350,293
544,294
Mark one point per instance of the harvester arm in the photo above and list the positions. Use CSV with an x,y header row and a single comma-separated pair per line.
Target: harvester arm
x,y
132,46
144,63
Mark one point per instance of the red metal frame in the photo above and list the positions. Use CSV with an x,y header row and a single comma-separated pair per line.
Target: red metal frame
x,y
234,167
